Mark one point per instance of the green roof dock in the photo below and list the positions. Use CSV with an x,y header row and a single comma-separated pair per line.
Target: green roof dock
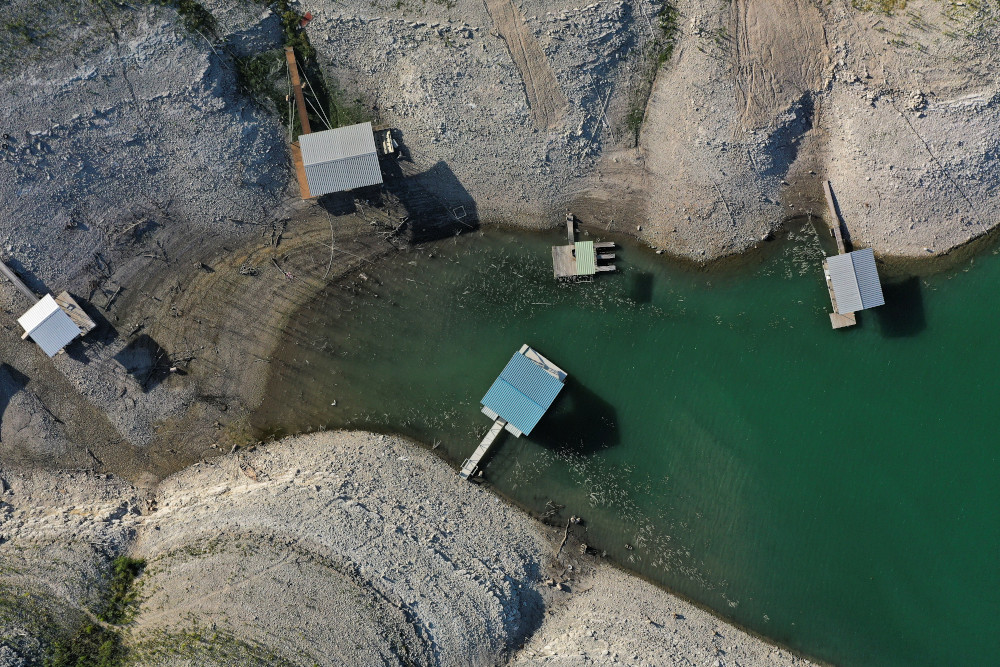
x,y
578,260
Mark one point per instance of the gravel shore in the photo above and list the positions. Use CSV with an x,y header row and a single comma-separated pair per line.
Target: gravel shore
x,y
337,548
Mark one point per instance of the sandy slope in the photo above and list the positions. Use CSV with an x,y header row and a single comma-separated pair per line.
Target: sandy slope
x,y
342,548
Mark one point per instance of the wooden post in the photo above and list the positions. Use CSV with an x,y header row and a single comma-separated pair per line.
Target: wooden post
x,y
300,100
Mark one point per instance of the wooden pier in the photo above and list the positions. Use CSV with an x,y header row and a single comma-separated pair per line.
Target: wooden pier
x,y
471,464
76,313
579,261
517,400
837,320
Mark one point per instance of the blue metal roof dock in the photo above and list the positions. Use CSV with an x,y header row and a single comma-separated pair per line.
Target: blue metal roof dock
x,y
526,388
522,393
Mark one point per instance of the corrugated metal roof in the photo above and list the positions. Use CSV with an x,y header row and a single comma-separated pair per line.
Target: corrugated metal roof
x,y
337,144
513,406
531,380
868,282
586,258
340,159
340,175
522,393
855,281
48,325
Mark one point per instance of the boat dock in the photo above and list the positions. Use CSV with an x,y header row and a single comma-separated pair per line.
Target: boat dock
x,y
851,277
580,260
516,402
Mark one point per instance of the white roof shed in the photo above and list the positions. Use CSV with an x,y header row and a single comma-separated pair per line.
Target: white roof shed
x,y
48,325
855,281
341,159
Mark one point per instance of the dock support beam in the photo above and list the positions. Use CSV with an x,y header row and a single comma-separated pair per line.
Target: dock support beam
x,y
300,100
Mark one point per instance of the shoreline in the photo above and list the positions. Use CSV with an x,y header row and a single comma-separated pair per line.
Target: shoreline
x,y
426,582
204,268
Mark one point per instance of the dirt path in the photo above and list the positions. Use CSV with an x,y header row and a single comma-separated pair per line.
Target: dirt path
x,y
780,52
545,97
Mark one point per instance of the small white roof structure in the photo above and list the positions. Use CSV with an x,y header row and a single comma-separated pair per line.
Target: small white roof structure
x,y
49,325
341,159
855,281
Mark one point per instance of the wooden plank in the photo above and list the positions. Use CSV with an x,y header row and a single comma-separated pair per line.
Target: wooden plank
x,y
563,261
18,283
604,244
300,100
300,171
571,227
76,313
606,269
840,321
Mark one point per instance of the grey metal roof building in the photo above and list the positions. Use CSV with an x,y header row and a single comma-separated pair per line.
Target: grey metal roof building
x,y
341,159
855,281
48,325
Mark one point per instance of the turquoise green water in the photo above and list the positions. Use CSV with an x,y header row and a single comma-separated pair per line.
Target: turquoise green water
x,y
833,490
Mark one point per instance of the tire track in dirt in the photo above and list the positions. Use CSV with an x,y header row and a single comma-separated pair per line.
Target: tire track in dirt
x,y
545,98
780,51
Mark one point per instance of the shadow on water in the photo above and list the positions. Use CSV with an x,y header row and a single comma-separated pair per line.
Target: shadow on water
x,y
903,313
640,288
580,421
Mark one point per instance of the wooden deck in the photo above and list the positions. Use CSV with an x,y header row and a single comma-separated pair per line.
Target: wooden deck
x,y
76,313
563,261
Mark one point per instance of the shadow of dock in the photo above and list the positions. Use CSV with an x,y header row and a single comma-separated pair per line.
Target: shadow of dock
x,y
580,421
903,314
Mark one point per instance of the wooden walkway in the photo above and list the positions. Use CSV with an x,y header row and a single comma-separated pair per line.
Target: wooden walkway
x,y
471,464
837,320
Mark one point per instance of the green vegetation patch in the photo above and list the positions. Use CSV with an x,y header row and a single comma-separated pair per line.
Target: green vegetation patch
x,y
91,645
98,643
200,646
264,78
884,6
122,593
658,53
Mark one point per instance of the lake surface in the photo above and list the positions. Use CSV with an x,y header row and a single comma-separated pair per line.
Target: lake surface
x,y
836,491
